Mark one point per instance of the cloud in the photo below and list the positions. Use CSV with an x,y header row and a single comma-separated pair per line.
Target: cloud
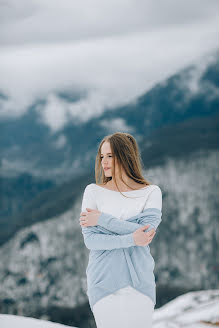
x,y
60,141
110,52
116,124
37,21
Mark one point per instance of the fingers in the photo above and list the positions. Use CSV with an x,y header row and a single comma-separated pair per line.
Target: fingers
x,y
151,235
151,232
83,213
150,238
82,220
84,224
144,227
88,210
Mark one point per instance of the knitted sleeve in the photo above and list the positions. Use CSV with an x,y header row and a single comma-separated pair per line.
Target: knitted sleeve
x,y
151,215
100,241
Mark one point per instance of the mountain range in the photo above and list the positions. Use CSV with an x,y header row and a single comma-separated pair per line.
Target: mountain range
x,y
43,176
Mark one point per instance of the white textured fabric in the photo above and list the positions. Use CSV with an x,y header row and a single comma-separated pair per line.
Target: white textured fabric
x,y
126,307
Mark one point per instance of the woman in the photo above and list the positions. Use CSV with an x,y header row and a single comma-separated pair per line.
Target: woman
x,y
118,167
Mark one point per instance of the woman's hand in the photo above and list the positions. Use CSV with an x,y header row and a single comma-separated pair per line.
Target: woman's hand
x,y
142,238
89,218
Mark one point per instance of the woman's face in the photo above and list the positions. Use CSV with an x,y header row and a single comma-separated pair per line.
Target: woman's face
x,y
107,159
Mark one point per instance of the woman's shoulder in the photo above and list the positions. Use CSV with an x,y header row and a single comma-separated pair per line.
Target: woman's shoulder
x,y
94,186
90,187
155,188
89,191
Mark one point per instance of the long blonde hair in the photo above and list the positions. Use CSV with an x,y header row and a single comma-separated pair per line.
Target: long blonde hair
x,y
125,148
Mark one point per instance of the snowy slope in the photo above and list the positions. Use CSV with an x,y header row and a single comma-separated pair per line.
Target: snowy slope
x,y
15,321
194,310
43,265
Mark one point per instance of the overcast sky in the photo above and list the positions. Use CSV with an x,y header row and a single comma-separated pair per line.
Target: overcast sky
x,y
111,51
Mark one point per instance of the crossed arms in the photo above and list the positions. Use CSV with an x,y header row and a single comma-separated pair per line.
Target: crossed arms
x,y
112,233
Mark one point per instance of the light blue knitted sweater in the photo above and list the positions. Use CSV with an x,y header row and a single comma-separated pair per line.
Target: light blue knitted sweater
x,y
115,261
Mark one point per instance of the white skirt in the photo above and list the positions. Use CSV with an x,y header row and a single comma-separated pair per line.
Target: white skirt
x,y
125,308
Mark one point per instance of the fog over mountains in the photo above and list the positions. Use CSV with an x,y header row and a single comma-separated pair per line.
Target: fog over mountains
x,y
27,144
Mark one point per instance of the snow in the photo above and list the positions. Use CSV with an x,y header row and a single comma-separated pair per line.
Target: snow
x,y
193,310
15,321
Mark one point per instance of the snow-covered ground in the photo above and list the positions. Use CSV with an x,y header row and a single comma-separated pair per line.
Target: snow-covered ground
x,y
194,310
15,321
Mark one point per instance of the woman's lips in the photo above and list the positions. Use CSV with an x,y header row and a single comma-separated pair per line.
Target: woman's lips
x,y
106,169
